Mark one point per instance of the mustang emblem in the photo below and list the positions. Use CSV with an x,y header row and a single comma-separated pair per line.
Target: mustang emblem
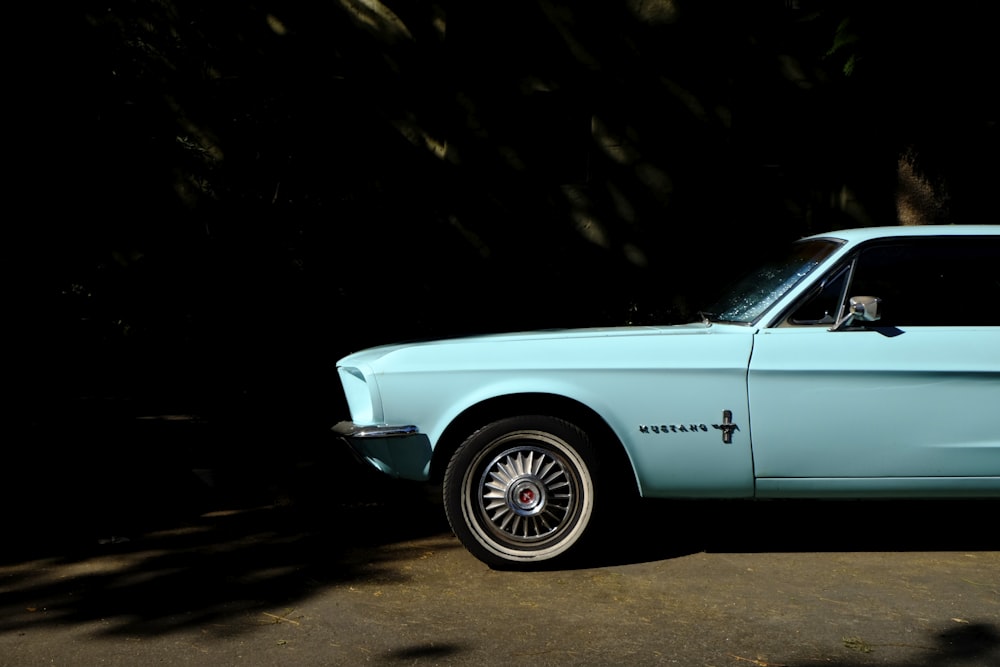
x,y
727,427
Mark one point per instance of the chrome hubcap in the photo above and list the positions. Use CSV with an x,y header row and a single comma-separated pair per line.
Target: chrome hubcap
x,y
527,494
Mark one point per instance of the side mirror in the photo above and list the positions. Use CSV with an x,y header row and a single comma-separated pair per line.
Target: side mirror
x,y
864,308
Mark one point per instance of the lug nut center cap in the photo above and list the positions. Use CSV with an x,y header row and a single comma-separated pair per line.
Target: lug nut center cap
x,y
526,496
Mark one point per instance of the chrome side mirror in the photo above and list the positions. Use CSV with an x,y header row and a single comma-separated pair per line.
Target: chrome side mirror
x,y
864,308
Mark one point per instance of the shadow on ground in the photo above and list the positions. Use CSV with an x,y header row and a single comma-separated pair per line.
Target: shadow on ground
x,y
661,529
173,522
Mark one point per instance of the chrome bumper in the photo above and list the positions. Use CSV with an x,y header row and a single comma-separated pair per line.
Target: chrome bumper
x,y
397,451
352,430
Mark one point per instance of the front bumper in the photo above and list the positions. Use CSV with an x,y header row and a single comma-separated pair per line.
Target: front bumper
x,y
397,451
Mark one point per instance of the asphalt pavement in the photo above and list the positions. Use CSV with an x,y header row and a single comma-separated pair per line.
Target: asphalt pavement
x,y
296,555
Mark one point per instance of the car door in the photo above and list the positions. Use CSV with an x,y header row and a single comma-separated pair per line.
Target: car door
x,y
902,406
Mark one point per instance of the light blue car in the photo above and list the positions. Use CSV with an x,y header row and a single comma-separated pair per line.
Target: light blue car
x,y
860,363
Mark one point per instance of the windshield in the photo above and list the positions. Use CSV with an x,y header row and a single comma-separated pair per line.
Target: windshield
x,y
751,296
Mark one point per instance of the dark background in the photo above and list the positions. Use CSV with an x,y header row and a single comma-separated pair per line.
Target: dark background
x,y
213,202
210,202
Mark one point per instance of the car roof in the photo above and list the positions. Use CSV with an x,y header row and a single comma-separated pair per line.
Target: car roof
x,y
868,233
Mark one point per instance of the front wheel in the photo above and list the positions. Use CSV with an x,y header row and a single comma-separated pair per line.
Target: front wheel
x,y
520,491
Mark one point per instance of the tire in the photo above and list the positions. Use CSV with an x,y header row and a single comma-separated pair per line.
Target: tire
x,y
520,491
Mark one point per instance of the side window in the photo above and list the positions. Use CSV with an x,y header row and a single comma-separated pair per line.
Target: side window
x,y
932,281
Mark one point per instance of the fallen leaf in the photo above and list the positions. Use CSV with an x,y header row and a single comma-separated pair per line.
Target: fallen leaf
x,y
858,644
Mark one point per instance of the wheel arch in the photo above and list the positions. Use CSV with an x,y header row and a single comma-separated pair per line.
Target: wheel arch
x,y
609,448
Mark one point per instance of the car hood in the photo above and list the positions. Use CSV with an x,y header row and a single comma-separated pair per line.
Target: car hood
x,y
503,347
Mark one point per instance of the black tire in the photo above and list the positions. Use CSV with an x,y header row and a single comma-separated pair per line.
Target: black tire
x,y
520,491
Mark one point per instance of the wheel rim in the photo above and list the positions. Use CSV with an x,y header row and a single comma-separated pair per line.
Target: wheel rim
x,y
527,494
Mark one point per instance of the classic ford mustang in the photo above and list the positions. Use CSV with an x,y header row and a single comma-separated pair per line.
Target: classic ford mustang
x,y
858,364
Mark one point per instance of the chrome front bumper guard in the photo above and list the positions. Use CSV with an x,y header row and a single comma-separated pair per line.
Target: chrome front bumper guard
x,y
399,451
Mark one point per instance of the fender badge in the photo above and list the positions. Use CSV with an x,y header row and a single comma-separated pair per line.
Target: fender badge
x,y
727,427
673,428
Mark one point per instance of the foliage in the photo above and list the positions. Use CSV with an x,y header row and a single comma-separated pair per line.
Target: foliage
x,y
257,187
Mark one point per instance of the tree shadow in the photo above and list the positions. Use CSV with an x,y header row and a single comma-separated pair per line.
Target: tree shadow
x,y
975,644
170,545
